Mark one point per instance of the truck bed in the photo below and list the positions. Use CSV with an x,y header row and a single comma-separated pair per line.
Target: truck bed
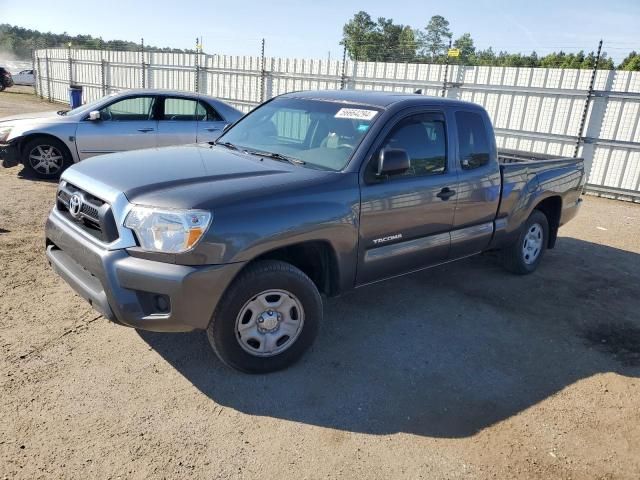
x,y
517,156
527,176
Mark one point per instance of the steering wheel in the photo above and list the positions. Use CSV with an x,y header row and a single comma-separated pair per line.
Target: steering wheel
x,y
345,145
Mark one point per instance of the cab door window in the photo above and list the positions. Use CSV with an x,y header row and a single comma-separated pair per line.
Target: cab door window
x,y
423,137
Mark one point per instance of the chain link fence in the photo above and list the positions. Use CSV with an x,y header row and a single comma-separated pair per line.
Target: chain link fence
x,y
549,111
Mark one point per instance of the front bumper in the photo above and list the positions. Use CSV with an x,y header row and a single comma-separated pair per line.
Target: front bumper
x,y
127,289
9,154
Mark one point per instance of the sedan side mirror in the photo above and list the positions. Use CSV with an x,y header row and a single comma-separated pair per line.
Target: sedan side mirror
x,y
393,161
94,115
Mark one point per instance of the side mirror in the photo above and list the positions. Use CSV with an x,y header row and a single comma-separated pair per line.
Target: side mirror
x,y
94,115
393,161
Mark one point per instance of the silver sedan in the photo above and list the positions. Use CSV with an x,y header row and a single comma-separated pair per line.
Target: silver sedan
x,y
49,142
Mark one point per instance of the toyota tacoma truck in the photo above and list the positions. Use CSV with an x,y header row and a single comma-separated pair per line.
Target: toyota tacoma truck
x,y
312,193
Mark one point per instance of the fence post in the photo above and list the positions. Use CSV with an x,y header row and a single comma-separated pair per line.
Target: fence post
x,y
33,69
103,76
197,66
587,100
48,75
446,72
70,64
39,73
142,61
263,73
343,76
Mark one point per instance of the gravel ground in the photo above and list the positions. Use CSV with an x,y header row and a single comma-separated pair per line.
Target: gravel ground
x,y
462,371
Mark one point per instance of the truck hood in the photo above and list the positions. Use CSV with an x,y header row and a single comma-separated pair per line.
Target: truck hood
x,y
192,176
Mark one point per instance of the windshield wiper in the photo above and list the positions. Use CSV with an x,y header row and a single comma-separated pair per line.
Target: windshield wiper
x,y
277,156
226,144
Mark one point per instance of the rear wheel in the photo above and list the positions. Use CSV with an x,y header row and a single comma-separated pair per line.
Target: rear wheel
x,y
46,157
524,255
267,319
2,87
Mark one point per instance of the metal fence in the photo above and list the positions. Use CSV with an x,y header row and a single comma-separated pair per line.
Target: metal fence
x,y
533,109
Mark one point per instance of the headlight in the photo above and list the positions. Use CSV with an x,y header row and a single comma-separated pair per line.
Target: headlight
x,y
168,231
4,133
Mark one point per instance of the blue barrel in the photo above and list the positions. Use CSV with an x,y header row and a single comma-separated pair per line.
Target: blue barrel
x,y
75,96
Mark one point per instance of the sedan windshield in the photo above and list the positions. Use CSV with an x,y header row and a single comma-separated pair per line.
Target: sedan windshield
x,y
307,132
88,107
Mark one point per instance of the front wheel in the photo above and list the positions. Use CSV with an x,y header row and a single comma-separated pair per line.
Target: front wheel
x,y
46,157
524,255
267,319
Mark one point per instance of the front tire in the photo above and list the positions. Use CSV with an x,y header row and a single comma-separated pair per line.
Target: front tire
x,y
267,318
523,257
46,157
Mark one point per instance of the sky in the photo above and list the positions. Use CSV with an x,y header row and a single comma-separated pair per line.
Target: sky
x,y
306,29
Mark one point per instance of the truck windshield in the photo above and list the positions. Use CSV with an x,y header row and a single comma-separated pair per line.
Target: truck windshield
x,y
318,133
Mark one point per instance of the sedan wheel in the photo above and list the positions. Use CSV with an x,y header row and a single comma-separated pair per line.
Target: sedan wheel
x,y
46,159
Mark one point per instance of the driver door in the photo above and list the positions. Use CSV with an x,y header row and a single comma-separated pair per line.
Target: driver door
x,y
405,220
126,124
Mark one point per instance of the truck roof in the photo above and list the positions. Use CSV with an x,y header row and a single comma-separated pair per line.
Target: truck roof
x,y
375,98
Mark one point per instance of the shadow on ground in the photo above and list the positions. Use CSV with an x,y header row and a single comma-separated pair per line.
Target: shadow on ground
x,y
446,352
24,173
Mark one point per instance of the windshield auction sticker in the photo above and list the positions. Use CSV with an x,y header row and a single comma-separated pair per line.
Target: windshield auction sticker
x,y
356,113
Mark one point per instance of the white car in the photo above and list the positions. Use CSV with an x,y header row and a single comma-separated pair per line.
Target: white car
x,y
25,77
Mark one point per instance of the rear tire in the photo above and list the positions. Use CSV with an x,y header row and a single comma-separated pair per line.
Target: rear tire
x,y
46,157
523,257
267,318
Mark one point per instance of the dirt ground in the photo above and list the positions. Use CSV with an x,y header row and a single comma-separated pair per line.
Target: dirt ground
x,y
462,371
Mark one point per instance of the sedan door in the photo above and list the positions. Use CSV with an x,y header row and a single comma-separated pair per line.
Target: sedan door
x,y
210,123
125,124
177,121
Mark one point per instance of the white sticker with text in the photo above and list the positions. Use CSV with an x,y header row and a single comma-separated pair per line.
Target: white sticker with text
x,y
356,114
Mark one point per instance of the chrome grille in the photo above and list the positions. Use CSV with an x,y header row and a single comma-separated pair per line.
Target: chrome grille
x,y
94,215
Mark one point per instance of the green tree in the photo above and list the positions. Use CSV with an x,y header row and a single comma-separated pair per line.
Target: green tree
x,y
407,44
20,42
631,62
357,36
467,49
381,41
435,38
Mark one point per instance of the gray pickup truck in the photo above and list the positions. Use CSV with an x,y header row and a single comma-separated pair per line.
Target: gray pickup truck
x,y
312,192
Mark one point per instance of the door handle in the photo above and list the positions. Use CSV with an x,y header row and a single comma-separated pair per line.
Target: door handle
x,y
446,193
212,129
145,130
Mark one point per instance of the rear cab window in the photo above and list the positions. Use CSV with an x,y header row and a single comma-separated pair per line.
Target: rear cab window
x,y
473,140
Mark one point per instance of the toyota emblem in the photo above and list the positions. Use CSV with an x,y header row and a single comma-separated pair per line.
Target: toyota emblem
x,y
75,205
